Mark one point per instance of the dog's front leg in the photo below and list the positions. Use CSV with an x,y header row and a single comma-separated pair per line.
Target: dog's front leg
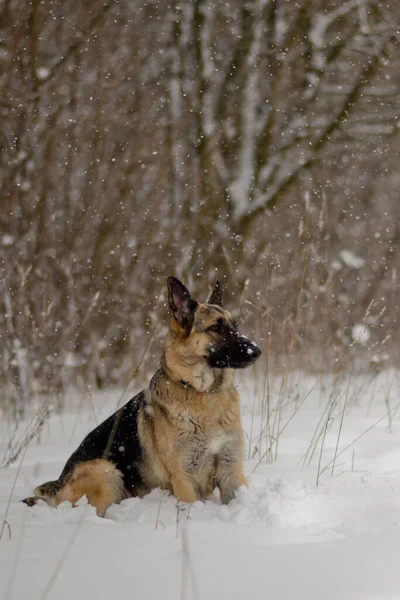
x,y
229,481
182,487
229,474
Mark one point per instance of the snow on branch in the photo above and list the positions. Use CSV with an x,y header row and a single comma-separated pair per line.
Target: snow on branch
x,y
240,188
307,155
320,24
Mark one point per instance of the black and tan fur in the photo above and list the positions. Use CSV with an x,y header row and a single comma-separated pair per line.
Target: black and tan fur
x,y
183,433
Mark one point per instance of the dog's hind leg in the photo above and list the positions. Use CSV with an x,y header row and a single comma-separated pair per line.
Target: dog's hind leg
x,y
99,480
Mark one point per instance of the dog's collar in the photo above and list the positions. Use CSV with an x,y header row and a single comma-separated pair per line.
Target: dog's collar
x,y
183,382
186,384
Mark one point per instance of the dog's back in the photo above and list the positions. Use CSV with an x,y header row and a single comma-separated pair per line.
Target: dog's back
x,y
105,467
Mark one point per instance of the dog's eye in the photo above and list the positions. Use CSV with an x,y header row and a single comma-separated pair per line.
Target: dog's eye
x,y
217,327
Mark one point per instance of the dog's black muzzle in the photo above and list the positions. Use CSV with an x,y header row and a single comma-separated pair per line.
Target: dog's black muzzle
x,y
235,352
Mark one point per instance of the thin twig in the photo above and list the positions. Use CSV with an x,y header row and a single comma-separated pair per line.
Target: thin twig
x,y
341,425
12,490
187,568
360,436
286,424
92,404
327,424
61,561
159,511
81,39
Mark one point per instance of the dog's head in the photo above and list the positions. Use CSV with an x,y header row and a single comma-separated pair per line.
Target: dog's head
x,y
206,336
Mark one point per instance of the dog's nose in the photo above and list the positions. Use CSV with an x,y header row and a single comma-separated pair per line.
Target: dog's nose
x,y
254,351
249,350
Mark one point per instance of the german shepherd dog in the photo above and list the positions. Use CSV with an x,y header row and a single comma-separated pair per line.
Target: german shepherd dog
x,y
183,433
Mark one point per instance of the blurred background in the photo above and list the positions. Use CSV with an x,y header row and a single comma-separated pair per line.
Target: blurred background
x,y
252,141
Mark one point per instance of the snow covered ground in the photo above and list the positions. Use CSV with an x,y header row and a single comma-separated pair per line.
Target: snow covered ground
x,y
282,538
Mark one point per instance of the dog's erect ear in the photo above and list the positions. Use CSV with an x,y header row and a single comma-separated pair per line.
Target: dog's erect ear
x,y
182,305
216,295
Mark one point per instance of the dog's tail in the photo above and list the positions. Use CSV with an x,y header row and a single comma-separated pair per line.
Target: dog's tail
x,y
47,492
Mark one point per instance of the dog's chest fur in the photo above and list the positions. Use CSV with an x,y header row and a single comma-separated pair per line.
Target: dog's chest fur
x,y
198,426
198,439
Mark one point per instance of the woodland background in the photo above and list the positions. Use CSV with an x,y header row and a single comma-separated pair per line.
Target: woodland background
x,y
255,141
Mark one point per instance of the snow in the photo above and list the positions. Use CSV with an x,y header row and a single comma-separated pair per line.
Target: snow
x,y
351,260
361,334
7,240
283,537
43,73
